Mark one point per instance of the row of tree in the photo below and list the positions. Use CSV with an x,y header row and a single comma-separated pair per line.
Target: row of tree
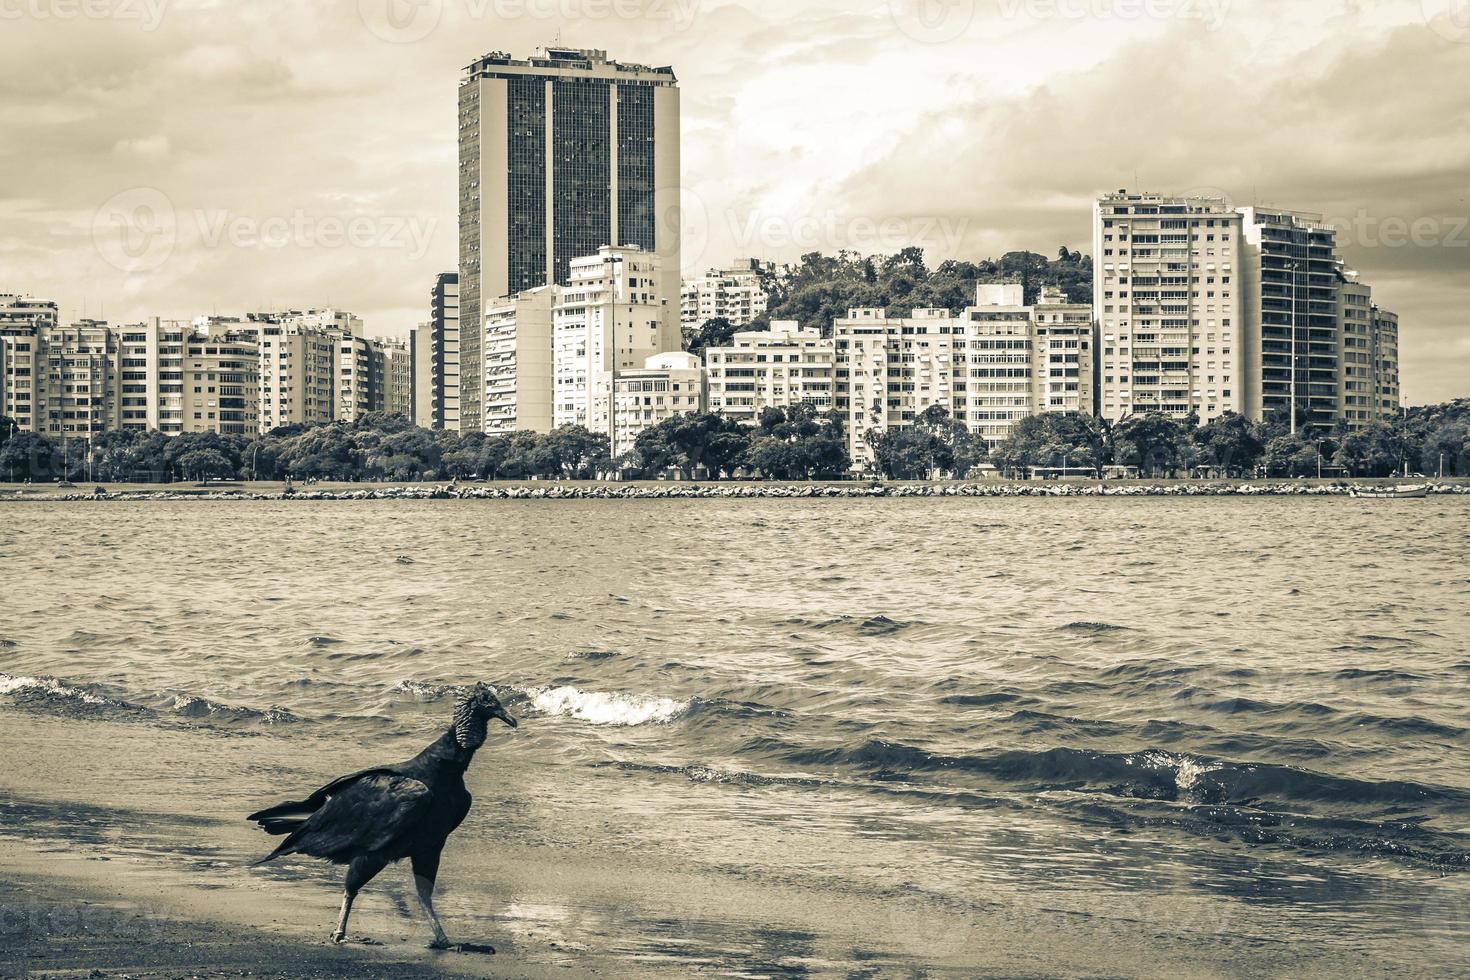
x,y
797,443
793,444
376,447
1430,440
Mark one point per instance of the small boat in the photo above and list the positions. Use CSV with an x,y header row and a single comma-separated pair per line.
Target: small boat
x,y
1406,492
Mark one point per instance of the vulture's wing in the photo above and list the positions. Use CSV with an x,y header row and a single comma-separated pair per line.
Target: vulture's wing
x,y
365,814
286,817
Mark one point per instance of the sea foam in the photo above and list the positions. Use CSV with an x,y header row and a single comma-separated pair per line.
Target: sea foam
x,y
599,708
51,686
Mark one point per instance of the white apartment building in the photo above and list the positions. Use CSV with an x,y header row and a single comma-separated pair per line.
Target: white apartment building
x,y
734,294
668,384
221,384
23,321
1385,359
397,378
1168,300
153,375
78,380
298,378
1356,398
996,376
608,318
762,369
890,370
518,362
1016,360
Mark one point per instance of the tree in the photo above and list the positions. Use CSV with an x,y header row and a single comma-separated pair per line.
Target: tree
x,y
205,464
1153,442
571,451
689,442
715,332
1372,451
1448,444
799,443
955,449
1291,455
30,456
902,454
1230,444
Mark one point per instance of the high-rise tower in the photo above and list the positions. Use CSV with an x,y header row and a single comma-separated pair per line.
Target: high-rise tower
x,y
560,154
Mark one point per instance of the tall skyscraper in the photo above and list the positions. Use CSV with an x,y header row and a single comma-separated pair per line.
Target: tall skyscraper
x,y
1167,296
560,154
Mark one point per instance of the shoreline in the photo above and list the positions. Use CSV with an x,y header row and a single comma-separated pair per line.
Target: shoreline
x,y
696,490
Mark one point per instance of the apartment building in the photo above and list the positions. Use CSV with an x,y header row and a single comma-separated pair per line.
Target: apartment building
x,y
435,356
519,388
298,372
1169,303
1385,361
221,384
79,372
23,323
668,384
1292,278
889,370
1356,398
397,378
734,294
1015,360
774,368
995,376
610,317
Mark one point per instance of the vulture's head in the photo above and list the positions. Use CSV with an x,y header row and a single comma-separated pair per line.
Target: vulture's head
x,y
472,714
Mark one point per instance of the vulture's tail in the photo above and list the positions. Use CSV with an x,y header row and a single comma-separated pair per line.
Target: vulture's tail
x,y
284,818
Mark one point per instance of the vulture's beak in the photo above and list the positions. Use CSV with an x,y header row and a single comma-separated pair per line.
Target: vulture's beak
x,y
503,716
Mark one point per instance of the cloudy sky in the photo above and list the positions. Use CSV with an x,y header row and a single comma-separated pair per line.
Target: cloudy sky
x,y
173,157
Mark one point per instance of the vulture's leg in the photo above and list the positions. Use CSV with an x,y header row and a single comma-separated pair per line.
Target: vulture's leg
x,y
361,871
425,871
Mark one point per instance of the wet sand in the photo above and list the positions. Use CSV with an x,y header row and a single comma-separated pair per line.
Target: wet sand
x,y
130,890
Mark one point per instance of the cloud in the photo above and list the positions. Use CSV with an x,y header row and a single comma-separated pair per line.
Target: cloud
x,y
806,124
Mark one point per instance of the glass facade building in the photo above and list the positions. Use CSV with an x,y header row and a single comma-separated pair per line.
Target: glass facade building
x,y
560,154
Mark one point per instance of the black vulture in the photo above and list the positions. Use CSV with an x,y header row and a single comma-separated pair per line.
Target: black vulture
x,y
370,818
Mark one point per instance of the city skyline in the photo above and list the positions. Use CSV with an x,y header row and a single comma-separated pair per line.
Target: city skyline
x,y
347,140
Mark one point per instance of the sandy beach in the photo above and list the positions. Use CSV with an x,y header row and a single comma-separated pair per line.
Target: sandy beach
x,y
93,891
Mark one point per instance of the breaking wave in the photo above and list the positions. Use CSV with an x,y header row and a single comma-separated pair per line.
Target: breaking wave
x,y
601,708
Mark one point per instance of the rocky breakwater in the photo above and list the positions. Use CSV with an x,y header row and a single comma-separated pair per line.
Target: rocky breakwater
x,y
739,491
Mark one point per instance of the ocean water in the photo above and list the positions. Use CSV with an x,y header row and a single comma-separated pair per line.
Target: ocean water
x,y
1228,720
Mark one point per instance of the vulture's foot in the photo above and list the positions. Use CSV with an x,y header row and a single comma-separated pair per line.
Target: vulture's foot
x,y
446,946
340,938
